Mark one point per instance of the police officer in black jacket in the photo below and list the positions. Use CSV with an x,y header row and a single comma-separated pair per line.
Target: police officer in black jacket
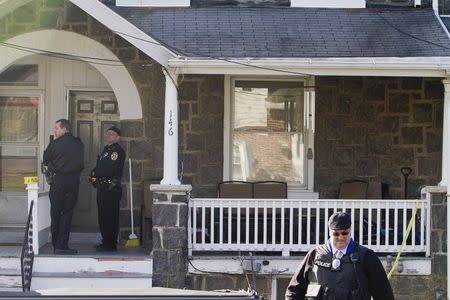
x,y
106,177
64,157
340,269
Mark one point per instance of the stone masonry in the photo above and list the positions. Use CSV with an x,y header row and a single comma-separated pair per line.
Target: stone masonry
x,y
425,287
201,132
369,127
170,221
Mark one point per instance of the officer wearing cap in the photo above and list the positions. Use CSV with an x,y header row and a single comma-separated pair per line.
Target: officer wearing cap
x,y
340,269
106,177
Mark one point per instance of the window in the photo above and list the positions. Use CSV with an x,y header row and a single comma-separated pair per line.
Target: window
x,y
20,75
269,134
18,140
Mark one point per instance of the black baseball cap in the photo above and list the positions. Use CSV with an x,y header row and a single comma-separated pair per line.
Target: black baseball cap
x,y
115,129
339,221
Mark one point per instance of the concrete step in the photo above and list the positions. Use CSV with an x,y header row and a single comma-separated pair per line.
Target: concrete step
x,y
10,273
106,279
9,263
91,272
11,236
10,282
92,264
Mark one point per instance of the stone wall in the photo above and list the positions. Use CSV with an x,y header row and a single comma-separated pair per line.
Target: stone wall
x,y
201,132
369,127
170,245
425,287
262,284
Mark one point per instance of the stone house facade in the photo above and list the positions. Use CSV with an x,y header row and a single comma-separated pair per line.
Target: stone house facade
x,y
367,128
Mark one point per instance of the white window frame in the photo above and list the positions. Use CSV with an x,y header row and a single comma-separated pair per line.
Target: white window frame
x,y
40,136
27,91
309,114
154,3
329,3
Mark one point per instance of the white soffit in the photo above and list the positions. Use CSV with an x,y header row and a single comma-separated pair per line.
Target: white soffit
x,y
329,3
154,3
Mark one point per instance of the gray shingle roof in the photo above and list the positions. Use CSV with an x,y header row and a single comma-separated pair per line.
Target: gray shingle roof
x,y
446,21
293,32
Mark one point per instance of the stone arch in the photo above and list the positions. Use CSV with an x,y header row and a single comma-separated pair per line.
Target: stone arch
x,y
83,47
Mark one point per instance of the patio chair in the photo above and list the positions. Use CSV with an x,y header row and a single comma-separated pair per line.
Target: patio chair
x,y
235,189
354,189
270,190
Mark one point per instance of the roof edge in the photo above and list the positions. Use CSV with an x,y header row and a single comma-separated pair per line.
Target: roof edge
x,y
126,30
349,66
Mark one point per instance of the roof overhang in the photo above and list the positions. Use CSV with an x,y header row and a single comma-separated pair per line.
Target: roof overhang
x,y
356,66
125,29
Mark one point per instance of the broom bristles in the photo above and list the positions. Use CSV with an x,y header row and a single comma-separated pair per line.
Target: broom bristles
x,y
132,242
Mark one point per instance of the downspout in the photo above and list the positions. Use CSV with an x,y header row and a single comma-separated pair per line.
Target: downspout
x,y
445,161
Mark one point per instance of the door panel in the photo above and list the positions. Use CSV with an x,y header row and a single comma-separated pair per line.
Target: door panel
x,y
90,113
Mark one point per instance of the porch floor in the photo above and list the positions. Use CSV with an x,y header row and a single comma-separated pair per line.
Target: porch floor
x,y
85,243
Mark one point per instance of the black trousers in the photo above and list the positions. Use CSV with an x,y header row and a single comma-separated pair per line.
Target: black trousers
x,y
108,203
63,197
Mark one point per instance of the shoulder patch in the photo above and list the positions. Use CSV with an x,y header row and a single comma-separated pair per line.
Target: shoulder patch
x,y
114,156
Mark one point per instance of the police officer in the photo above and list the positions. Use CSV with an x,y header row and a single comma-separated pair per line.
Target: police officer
x,y
340,269
106,176
64,157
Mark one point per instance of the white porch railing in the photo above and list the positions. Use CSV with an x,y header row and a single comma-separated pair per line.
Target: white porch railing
x,y
296,225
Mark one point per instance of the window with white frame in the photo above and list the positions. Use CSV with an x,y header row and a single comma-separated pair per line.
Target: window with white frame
x,y
19,124
268,131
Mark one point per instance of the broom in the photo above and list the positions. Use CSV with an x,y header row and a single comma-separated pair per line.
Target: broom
x,y
133,240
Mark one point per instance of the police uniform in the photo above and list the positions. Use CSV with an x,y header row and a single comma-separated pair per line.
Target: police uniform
x,y
356,275
64,157
108,174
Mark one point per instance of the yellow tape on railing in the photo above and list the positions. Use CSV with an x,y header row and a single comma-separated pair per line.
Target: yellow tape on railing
x,y
408,231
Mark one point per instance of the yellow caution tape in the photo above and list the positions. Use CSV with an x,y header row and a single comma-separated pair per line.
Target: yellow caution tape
x,y
30,180
405,238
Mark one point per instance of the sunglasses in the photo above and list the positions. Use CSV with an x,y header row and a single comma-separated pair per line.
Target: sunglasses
x,y
338,233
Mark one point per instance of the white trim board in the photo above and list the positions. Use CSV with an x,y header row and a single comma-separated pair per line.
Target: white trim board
x,y
329,3
154,3
356,66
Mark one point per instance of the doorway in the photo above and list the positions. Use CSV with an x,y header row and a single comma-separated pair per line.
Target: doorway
x,y
90,114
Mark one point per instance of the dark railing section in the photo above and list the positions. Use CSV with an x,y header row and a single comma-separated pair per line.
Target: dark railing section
x,y
27,256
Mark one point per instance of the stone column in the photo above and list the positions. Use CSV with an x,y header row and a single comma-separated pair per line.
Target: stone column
x,y
170,235
171,131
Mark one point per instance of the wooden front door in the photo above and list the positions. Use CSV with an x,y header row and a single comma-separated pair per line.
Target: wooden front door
x,y
90,114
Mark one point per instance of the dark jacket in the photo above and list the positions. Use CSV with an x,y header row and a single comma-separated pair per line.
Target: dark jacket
x,y
370,272
65,155
110,163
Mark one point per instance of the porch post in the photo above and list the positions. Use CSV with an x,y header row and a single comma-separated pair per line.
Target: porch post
x,y
33,196
445,134
171,130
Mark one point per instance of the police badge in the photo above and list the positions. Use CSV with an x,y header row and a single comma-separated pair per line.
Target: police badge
x,y
114,156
